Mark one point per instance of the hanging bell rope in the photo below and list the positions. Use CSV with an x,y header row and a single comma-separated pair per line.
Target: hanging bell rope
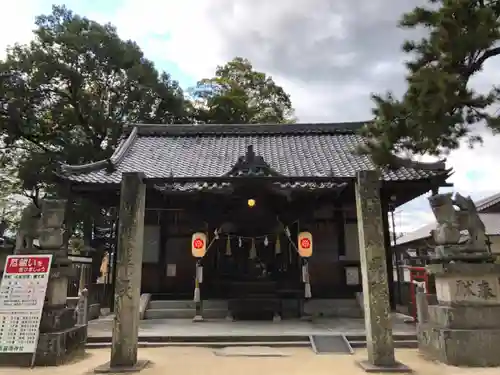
x,y
285,229
228,246
253,250
277,245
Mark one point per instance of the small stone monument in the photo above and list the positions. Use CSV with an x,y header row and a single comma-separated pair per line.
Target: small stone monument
x,y
463,328
60,337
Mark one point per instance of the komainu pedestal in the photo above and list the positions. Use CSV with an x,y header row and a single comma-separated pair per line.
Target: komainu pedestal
x,y
60,337
463,329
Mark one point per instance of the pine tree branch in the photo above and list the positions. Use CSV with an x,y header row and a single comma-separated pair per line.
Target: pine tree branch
x,y
476,66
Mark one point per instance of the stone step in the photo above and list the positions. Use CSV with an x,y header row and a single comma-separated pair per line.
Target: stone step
x,y
396,337
215,343
405,344
401,341
186,304
348,308
207,344
190,339
187,313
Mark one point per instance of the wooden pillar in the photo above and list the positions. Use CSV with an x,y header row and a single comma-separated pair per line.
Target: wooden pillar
x,y
128,275
113,262
378,324
163,252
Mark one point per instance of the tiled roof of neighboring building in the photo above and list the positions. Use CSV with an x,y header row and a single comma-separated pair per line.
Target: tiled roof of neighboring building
x,y
491,223
488,202
292,150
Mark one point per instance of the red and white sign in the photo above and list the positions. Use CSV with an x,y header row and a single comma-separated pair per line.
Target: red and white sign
x,y
27,264
22,294
305,244
199,244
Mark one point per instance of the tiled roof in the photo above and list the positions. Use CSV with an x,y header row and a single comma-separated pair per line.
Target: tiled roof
x,y
192,151
491,223
488,202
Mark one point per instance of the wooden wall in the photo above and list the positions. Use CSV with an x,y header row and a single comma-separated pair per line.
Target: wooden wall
x,y
170,267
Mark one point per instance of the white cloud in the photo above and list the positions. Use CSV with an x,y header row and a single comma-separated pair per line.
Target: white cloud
x,y
192,43
18,22
330,56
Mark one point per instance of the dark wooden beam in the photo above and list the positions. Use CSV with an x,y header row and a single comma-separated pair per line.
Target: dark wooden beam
x,y
340,227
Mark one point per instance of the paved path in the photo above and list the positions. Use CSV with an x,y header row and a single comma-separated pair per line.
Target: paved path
x,y
196,361
185,327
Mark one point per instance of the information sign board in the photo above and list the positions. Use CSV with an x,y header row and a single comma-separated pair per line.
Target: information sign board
x,y
22,294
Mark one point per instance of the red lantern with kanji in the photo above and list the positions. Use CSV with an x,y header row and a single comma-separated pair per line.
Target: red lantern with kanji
x,y
305,244
199,244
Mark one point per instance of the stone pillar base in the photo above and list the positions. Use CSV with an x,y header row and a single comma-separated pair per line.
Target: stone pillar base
x,y
397,367
463,329
107,369
460,347
57,348
54,349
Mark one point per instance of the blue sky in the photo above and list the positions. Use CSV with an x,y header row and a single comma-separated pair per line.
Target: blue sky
x,y
329,56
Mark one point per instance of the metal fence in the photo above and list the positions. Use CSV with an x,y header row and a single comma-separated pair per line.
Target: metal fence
x,y
83,279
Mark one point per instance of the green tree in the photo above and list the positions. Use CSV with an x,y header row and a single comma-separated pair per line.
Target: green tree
x,y
11,200
65,96
439,106
238,94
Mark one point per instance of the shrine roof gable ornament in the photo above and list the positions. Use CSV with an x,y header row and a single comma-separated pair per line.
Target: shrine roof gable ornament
x,y
251,164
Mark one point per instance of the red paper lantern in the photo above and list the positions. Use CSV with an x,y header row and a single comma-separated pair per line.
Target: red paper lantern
x,y
199,244
305,244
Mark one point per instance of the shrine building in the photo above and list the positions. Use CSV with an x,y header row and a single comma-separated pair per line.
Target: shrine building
x,y
251,189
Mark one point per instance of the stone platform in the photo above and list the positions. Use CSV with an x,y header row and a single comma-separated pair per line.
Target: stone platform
x,y
56,348
53,349
179,330
463,329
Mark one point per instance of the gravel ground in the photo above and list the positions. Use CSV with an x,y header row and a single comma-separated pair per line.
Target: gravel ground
x,y
296,361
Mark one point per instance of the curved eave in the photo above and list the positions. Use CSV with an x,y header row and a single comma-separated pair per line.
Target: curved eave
x,y
111,163
229,187
439,165
436,177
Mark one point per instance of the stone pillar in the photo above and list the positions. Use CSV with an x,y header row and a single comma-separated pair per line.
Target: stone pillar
x,y
128,276
422,304
379,339
389,258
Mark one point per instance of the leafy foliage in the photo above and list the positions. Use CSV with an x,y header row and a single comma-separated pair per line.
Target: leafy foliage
x,y
65,96
238,94
439,106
